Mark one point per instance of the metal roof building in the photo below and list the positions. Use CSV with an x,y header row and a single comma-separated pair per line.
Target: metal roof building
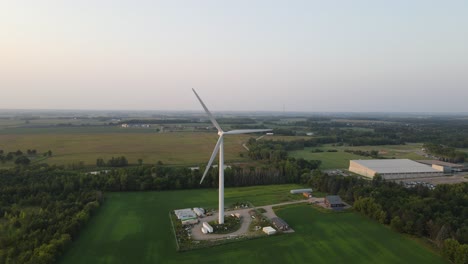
x,y
391,169
333,201
280,223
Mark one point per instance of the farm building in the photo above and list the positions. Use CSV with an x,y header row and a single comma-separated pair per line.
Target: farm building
x,y
391,169
333,201
185,214
299,191
269,230
280,223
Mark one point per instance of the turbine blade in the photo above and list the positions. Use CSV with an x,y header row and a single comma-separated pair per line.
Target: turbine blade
x,y
215,151
246,131
213,120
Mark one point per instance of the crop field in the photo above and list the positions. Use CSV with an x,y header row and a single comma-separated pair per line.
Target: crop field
x,y
135,228
170,148
340,159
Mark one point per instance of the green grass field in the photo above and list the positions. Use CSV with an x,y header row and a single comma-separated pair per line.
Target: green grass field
x,y
170,148
340,159
135,228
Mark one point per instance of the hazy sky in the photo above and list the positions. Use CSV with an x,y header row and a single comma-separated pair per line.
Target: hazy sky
x,y
322,55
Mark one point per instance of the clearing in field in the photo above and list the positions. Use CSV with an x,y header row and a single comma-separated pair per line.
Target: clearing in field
x,y
135,228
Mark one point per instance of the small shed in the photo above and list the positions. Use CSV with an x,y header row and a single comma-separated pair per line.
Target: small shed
x,y
280,224
333,201
269,230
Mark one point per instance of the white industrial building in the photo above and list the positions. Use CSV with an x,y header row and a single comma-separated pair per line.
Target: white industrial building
x,y
391,169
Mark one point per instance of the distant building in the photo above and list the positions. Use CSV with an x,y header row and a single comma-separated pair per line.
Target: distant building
x,y
443,166
299,191
280,224
391,169
333,201
136,125
269,134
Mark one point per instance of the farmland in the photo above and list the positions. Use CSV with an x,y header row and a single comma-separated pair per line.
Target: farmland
x,y
170,148
135,228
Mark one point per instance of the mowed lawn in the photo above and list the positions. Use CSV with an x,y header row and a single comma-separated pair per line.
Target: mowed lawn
x,y
135,228
340,159
330,160
170,148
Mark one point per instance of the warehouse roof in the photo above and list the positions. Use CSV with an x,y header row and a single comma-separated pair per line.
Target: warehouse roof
x,y
395,166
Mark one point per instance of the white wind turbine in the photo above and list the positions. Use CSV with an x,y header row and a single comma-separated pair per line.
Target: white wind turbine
x,y
220,147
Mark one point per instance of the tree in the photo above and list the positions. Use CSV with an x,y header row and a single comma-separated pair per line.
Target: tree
x,y
140,162
22,160
100,162
449,249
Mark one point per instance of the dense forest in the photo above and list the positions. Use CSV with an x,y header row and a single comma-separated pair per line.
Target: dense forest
x,y
445,153
41,211
439,215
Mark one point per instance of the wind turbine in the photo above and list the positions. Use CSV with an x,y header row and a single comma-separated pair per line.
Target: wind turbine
x,y
220,147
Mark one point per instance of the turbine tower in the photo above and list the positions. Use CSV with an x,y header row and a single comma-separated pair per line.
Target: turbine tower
x,y
220,147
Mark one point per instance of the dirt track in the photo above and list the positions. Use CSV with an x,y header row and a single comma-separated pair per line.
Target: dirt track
x,y
245,221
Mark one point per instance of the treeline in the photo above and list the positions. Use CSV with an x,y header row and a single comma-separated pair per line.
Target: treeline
x,y
20,157
160,177
437,215
42,209
159,121
299,144
364,153
113,162
445,153
448,131
276,153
